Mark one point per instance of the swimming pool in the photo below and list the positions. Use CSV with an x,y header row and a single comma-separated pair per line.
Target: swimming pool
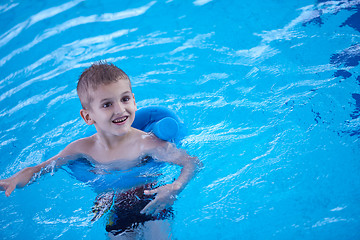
x,y
269,91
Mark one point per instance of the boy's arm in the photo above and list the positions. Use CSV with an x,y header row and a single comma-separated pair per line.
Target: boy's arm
x,y
24,176
167,194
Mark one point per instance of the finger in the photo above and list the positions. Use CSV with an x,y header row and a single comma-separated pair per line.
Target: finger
x,y
150,192
147,208
9,190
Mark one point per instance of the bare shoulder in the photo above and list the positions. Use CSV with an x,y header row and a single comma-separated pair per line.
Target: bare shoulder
x,y
148,140
156,147
161,150
80,146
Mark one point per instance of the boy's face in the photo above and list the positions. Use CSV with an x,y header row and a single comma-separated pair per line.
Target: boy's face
x,y
112,109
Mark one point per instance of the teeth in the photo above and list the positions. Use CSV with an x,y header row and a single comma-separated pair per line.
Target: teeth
x,y
119,120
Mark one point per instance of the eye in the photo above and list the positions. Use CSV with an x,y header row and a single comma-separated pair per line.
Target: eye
x,y
126,99
107,104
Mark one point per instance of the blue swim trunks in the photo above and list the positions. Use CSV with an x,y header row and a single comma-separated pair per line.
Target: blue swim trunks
x,y
125,214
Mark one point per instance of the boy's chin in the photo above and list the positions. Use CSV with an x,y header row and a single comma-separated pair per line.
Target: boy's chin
x,y
124,130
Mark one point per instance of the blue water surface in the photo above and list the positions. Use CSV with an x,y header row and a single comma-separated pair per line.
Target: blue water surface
x,y
269,91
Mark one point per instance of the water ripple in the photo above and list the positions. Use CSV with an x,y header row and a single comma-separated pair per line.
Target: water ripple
x,y
45,14
7,7
43,77
196,42
106,17
78,51
201,2
32,100
308,14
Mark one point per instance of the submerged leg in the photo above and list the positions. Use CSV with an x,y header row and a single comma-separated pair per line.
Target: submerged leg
x,y
150,230
158,229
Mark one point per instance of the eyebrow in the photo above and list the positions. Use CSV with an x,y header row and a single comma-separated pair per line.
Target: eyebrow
x,y
110,99
105,100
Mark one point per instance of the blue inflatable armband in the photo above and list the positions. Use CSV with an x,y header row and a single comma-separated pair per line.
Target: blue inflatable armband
x,y
161,121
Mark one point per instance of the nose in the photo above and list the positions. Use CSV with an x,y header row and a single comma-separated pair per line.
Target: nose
x,y
119,108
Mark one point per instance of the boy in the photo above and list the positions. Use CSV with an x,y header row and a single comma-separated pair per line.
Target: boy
x,y
109,104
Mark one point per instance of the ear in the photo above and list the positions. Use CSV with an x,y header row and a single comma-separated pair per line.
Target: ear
x,y
86,116
135,102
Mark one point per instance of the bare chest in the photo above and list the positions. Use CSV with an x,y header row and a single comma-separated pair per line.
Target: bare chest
x,y
120,158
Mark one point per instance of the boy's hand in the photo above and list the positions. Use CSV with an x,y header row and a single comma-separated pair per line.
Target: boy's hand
x,y
165,197
18,180
8,185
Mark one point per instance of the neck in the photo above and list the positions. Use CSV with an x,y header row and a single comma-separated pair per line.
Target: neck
x,y
109,141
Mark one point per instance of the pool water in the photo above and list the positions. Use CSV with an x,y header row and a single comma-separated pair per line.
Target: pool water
x,y
269,91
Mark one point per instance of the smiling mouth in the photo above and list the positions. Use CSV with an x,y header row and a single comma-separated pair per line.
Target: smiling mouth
x,y
120,120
